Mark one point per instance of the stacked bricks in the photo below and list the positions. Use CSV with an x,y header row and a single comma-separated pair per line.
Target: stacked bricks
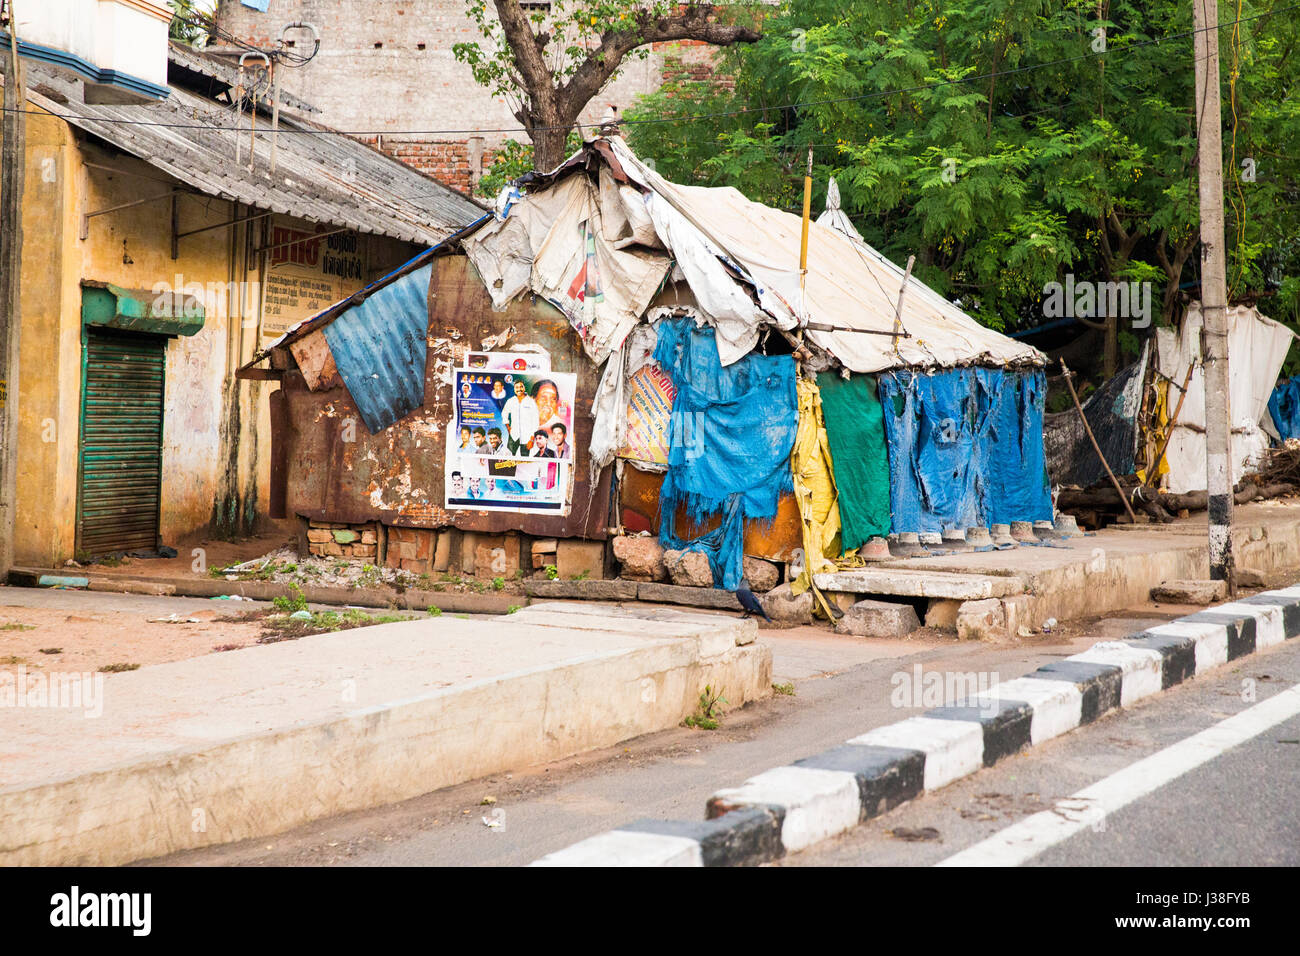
x,y
448,162
326,539
411,549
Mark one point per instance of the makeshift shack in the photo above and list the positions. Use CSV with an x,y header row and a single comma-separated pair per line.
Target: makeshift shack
x,y
1149,419
610,352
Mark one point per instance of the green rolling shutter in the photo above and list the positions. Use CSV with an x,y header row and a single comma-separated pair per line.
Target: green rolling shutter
x,y
121,442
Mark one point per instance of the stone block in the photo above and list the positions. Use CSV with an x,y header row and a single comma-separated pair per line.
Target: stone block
x,y
878,619
783,607
762,575
346,537
688,569
1190,592
641,557
319,535
574,557
984,620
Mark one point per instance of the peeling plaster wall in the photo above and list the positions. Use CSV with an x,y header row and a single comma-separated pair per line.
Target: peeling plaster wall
x,y
216,430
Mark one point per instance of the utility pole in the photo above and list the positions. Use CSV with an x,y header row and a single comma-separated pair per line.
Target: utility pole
x,y
13,158
1214,294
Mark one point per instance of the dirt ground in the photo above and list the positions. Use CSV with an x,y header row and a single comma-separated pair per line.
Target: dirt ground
x,y
86,640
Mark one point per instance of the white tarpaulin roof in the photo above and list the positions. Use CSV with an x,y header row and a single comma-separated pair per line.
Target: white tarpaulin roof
x,y
1257,347
599,252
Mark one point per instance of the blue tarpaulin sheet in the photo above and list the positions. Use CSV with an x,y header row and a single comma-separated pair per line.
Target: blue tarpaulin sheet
x,y
965,448
380,345
1284,407
730,437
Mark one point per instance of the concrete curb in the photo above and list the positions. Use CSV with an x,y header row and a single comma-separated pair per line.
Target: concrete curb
x,y
412,599
790,808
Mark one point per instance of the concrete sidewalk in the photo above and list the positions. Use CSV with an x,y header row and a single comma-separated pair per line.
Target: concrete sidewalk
x,y
993,594
251,742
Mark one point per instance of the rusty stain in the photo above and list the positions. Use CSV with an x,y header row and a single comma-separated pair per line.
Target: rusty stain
x,y
397,475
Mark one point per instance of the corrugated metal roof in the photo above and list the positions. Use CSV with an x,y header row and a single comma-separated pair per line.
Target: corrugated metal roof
x,y
321,175
227,74
379,348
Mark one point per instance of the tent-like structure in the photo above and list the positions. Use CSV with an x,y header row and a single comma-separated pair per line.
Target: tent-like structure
x,y
700,352
780,377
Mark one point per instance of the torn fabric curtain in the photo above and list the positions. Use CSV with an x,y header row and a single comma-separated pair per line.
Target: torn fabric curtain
x,y
855,429
1012,479
814,489
965,448
380,346
730,436
1284,408
1112,414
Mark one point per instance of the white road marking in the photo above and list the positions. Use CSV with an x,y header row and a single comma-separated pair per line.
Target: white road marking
x,y
1031,836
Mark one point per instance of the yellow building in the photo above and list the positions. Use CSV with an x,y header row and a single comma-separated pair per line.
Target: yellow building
x,y
161,251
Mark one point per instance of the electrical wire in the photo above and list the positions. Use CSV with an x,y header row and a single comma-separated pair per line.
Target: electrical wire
x,y
696,117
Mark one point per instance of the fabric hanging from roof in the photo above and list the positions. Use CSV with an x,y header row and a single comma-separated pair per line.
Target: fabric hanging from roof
x,y
1011,465
1112,413
930,421
856,432
814,489
1284,408
1258,347
380,346
730,437
965,448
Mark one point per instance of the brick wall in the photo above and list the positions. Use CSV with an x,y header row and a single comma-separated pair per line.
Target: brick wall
x,y
388,65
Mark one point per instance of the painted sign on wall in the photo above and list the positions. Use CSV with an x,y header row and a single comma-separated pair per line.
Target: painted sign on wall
x,y
649,405
306,273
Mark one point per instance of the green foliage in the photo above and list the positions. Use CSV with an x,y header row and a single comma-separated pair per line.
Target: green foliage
x,y
290,603
512,608
709,709
785,690
185,16
498,584
551,572
990,139
512,159
435,611
118,668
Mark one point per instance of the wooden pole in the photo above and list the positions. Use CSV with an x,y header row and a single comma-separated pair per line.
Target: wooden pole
x,y
13,160
1093,438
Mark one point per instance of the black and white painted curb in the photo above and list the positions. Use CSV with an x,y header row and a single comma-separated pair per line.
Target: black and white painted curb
x,y
790,808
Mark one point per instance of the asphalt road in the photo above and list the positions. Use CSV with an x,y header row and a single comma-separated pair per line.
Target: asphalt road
x,y
1238,807
844,688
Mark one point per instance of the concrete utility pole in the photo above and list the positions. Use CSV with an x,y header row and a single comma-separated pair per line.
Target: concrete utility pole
x,y
1214,293
13,158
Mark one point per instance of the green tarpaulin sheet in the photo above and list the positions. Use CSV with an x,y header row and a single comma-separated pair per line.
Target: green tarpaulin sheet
x,y
860,460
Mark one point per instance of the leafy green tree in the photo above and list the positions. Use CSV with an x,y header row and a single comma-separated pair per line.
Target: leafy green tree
x,y
1008,142
550,63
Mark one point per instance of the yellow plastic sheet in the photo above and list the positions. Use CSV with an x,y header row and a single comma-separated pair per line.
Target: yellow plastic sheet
x,y
814,491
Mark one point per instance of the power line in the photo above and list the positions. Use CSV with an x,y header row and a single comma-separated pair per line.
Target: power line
x,y
695,117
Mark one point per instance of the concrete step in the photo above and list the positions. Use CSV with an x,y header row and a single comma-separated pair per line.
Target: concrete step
x,y
920,583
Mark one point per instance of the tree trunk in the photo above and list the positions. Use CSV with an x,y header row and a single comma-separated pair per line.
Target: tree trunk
x,y
548,148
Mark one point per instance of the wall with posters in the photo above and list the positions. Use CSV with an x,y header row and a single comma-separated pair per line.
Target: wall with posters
x,y
407,475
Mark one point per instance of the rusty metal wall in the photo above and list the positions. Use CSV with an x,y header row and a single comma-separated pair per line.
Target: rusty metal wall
x,y
335,470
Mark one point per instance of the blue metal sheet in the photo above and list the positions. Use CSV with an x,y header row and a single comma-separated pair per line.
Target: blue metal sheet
x,y
379,347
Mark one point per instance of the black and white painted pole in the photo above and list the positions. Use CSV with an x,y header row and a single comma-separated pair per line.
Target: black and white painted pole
x,y
1214,330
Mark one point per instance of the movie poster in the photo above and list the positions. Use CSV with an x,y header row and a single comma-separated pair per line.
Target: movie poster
x,y
508,361
513,415
491,484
